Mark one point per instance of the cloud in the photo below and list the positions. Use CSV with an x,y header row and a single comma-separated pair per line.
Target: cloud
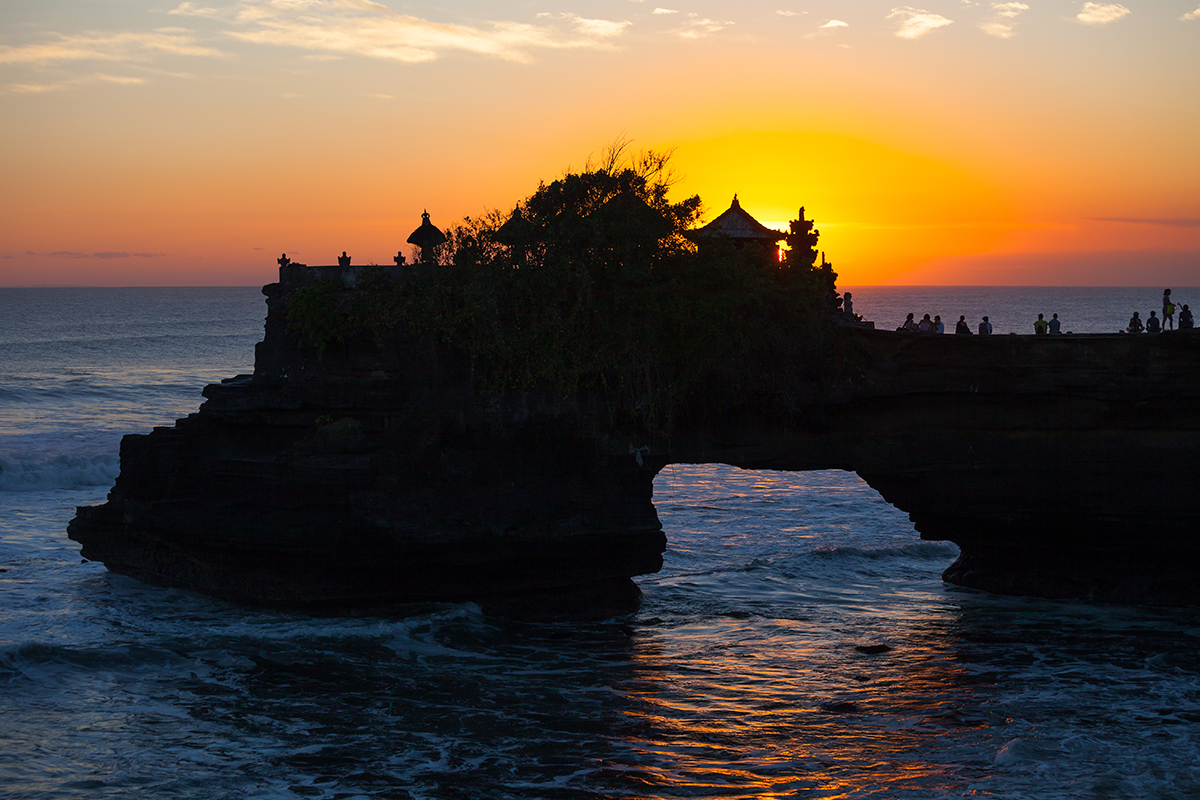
x,y
835,23
698,27
790,13
1002,21
135,47
63,85
1169,223
916,22
104,254
1191,15
365,28
664,11
1101,13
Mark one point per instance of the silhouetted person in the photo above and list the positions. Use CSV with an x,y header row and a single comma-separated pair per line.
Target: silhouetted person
x,y
1185,318
1168,317
1152,324
848,305
938,325
1040,327
925,325
283,260
1055,325
909,325
962,328
985,327
1135,324
343,260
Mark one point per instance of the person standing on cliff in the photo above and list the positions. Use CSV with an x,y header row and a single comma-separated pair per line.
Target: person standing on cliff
x,y
1168,317
1040,327
985,327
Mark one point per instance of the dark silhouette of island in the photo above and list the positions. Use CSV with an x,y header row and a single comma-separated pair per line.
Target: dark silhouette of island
x,y
490,430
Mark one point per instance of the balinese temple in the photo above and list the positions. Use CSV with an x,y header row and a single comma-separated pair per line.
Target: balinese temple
x,y
737,224
427,237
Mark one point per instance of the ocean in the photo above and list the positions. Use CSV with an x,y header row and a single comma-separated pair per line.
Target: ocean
x,y
750,670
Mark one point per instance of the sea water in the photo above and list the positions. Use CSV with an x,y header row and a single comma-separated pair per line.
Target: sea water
x,y
751,669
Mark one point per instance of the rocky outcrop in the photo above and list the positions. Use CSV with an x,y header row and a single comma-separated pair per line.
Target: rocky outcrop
x,y
1061,466
377,477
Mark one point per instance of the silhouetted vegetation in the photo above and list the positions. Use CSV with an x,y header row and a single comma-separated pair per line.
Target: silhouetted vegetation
x,y
592,284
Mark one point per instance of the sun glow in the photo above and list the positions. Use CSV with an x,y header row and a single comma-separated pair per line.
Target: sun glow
x,y
880,211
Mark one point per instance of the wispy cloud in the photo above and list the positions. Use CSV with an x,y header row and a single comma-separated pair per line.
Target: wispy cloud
x,y
664,11
1002,22
70,83
1191,15
365,28
791,13
127,47
826,28
1101,13
916,22
697,27
1170,223
105,254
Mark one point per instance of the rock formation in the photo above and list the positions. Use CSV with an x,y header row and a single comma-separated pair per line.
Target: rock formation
x,y
1061,466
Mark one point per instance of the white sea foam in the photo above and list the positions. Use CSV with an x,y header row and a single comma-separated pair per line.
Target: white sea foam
x,y
58,472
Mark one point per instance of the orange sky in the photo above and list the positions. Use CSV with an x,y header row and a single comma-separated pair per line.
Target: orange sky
x,y
952,143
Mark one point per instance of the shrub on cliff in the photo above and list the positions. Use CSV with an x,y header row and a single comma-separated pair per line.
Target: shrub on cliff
x,y
592,284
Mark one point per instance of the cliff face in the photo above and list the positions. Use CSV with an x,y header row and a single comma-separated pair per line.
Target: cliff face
x,y
1061,466
375,478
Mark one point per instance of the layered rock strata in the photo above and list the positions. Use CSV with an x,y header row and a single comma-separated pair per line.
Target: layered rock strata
x,y
1061,466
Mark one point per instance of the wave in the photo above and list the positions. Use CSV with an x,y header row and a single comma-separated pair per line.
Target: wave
x,y
923,551
59,472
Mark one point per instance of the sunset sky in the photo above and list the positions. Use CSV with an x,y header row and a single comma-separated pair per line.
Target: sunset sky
x,y
1042,142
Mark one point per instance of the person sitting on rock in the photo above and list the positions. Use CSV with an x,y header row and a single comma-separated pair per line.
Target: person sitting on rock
x,y
1135,324
909,325
962,328
1055,326
985,327
1185,318
938,325
1152,324
1040,326
925,325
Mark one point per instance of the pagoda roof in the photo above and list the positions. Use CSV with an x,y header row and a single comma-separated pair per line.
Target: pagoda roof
x,y
428,235
736,223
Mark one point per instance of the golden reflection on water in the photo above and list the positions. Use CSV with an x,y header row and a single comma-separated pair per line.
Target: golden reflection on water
x,y
828,722
747,680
